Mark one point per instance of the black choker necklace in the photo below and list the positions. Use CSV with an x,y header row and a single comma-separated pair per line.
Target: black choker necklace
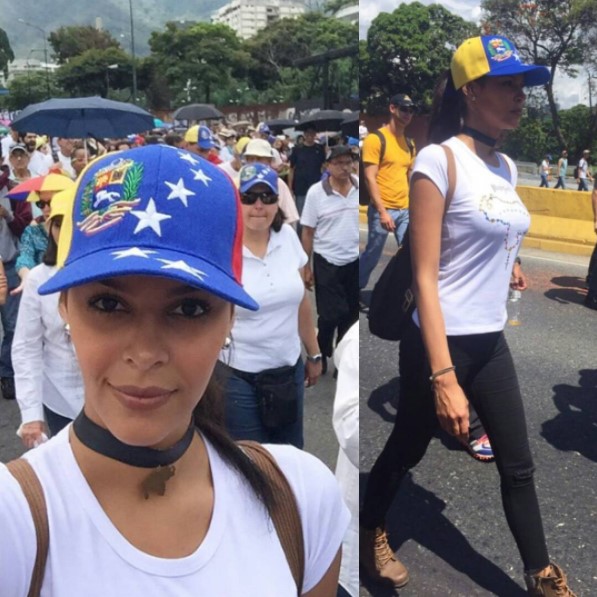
x,y
100,440
479,136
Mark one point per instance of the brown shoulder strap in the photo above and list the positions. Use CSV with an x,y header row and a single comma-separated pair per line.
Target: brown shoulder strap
x,y
451,175
285,515
22,471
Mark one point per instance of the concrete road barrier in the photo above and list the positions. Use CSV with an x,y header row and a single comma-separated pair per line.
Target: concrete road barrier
x,y
561,221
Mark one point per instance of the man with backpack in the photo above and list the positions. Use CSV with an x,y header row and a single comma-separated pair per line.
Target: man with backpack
x,y
582,173
388,156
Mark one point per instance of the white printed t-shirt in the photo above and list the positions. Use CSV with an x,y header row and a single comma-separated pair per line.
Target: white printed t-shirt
x,y
240,555
481,235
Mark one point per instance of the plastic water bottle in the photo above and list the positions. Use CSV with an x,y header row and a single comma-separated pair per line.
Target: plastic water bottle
x,y
514,307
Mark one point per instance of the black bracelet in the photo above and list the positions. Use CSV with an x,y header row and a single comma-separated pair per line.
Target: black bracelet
x,y
518,260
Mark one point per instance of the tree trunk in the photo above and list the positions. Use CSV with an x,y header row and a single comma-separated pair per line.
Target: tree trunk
x,y
554,114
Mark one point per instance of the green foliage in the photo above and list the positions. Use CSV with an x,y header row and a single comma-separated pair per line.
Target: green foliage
x,y
407,50
207,55
69,42
274,50
88,74
333,6
28,89
6,53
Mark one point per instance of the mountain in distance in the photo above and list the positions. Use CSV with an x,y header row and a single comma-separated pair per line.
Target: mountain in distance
x,y
148,16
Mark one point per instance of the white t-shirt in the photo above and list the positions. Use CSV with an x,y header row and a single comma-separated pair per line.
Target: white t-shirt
x,y
336,222
240,555
40,163
269,337
481,235
583,168
43,357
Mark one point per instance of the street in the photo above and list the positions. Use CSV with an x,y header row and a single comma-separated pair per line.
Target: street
x,y
447,522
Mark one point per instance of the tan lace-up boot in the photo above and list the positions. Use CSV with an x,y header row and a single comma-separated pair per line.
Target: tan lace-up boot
x,y
552,585
378,560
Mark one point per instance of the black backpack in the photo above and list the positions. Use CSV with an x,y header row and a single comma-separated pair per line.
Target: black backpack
x,y
576,173
364,197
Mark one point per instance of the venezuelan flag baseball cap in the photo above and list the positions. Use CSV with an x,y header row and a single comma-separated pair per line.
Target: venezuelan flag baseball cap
x,y
256,173
492,56
154,211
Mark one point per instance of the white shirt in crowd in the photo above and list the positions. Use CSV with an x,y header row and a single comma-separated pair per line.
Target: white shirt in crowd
x,y
7,142
43,358
40,163
481,235
240,555
336,222
545,169
269,337
346,426
583,168
66,164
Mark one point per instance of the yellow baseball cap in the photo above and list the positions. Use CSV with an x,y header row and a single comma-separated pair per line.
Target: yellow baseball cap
x,y
241,144
493,56
192,134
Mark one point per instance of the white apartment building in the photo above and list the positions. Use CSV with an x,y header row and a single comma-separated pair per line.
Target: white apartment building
x,y
247,17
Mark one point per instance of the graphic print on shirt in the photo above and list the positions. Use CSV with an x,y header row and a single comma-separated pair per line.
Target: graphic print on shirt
x,y
502,207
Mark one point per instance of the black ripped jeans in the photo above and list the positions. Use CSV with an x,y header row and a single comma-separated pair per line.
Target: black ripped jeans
x,y
485,372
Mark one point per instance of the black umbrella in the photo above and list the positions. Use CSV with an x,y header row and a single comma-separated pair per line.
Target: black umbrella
x,y
83,117
198,112
350,125
324,120
279,124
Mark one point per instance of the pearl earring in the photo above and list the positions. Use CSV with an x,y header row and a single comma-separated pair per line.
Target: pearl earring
x,y
227,343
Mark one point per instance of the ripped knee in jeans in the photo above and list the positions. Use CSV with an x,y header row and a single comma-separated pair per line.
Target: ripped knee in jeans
x,y
519,477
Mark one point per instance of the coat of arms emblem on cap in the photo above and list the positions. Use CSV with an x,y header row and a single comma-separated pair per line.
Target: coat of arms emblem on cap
x,y
499,49
110,195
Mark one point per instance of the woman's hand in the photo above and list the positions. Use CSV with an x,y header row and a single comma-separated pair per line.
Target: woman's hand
x,y
518,280
31,433
312,373
451,406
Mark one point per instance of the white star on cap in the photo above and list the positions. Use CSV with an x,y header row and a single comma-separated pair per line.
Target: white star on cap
x,y
182,266
149,218
133,252
188,158
179,191
200,175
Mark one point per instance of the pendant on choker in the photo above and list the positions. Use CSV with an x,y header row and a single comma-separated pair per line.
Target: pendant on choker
x,y
479,136
100,440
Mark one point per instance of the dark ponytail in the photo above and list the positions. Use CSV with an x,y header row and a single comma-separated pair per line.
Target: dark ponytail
x,y
447,111
208,417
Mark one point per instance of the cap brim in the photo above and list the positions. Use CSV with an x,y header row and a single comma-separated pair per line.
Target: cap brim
x,y
533,75
246,187
184,268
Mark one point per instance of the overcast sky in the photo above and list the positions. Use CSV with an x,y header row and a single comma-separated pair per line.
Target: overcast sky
x,y
569,92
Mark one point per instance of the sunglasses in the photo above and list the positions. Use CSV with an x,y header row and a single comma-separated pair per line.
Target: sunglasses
x,y
266,197
41,204
407,109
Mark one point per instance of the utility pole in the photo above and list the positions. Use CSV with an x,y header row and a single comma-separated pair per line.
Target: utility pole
x,y
133,53
45,53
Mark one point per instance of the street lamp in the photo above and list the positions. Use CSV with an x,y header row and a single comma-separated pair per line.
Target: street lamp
x,y
45,52
133,53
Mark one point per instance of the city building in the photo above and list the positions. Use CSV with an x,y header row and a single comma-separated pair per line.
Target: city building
x,y
350,14
247,17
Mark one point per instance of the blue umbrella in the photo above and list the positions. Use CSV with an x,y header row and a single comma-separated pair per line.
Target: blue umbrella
x,y
83,117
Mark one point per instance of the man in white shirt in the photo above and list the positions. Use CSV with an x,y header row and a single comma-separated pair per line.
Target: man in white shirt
x,y
584,173
39,163
7,142
65,154
330,233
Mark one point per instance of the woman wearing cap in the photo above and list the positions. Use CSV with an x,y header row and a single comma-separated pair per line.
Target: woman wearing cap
x,y
145,493
47,376
263,365
463,252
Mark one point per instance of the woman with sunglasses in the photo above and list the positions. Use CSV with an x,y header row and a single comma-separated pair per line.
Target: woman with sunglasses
x,y
265,375
48,381
146,494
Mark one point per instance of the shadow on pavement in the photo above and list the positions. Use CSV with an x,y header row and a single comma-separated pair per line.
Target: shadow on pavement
x,y
384,399
417,515
572,289
574,427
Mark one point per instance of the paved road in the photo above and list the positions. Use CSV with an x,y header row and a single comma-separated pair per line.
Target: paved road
x,y
447,522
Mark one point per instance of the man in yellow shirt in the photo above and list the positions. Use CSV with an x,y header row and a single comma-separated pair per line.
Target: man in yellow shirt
x,y
387,164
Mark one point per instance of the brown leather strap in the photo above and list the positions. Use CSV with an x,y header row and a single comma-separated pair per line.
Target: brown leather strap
x,y
285,515
22,471
451,176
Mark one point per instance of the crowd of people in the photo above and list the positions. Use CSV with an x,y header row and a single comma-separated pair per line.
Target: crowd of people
x,y
233,234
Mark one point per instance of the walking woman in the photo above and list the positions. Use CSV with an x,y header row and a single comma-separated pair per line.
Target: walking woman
x,y
47,375
265,376
455,351
145,493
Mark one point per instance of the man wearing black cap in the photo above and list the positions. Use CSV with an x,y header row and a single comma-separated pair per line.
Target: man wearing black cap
x,y
330,232
387,158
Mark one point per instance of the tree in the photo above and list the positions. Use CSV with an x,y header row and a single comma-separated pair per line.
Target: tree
x,y
30,89
554,33
72,41
205,54
6,53
274,50
89,73
407,50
